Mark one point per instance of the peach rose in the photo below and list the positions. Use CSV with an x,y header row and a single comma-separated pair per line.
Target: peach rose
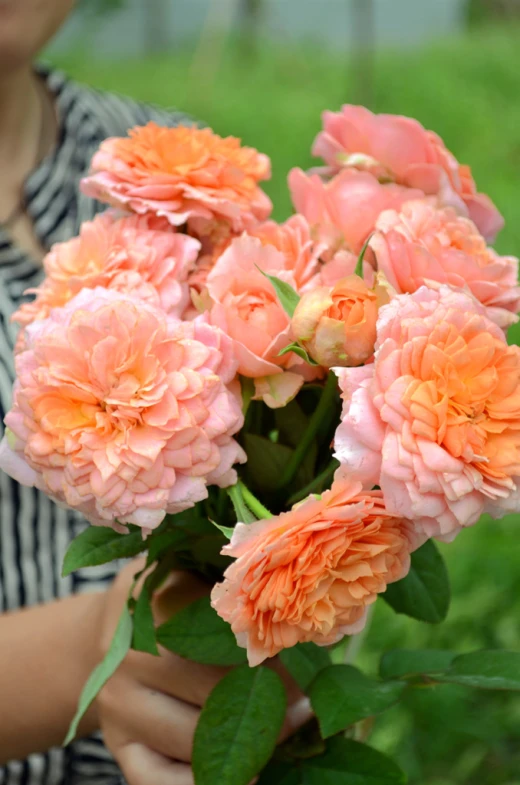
x,y
294,239
121,412
422,244
121,253
310,574
337,325
343,211
187,174
435,420
246,307
400,150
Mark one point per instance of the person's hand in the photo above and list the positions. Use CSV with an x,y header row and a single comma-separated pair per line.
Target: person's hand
x,y
149,709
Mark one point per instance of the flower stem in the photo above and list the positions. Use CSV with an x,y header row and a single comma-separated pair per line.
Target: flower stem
x,y
319,414
253,503
316,484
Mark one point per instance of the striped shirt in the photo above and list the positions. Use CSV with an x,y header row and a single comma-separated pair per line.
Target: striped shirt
x,y
35,533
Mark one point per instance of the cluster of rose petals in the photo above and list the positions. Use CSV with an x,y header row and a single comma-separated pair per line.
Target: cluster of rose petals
x,y
337,325
434,421
401,150
343,211
422,244
311,573
186,174
246,307
294,239
127,254
122,412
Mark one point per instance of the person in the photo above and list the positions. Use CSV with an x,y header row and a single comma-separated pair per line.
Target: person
x,y
54,630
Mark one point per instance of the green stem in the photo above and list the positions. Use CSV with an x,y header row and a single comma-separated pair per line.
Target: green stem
x,y
253,503
316,484
242,512
319,414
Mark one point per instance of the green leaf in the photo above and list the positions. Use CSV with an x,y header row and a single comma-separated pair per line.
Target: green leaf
x,y
238,727
289,299
404,663
242,511
227,531
167,541
300,351
118,650
100,544
267,460
281,773
359,265
304,661
341,695
425,592
488,669
291,421
347,762
199,634
144,625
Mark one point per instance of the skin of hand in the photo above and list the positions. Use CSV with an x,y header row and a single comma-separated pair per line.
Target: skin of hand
x,y
148,710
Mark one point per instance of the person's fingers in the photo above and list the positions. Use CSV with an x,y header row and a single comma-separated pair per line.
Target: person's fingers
x,y
175,676
131,712
142,766
179,589
164,724
298,714
291,688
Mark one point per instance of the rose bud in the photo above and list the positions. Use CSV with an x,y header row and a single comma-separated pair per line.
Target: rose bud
x,y
337,325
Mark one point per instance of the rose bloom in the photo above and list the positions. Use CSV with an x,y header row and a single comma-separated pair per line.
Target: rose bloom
x,y
121,253
122,412
246,307
294,239
187,174
343,211
422,244
400,150
337,325
435,420
311,573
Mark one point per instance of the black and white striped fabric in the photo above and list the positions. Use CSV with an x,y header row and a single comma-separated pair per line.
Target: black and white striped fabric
x,y
34,533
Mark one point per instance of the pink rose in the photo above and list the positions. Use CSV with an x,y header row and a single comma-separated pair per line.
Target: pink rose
x,y
423,244
310,574
122,412
128,254
344,210
435,420
400,150
246,307
294,239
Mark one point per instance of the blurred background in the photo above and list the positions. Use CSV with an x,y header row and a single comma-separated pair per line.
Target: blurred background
x,y
264,70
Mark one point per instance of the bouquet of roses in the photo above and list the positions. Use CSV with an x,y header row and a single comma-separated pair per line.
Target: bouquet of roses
x,y
293,411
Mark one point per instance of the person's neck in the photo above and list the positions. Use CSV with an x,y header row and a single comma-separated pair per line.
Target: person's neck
x,y
20,108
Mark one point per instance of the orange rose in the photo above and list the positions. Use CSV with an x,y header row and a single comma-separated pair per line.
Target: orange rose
x,y
309,574
187,175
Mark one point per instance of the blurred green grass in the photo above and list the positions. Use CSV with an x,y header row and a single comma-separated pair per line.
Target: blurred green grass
x,y
467,90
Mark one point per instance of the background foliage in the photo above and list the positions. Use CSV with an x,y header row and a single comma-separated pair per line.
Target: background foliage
x,y
467,90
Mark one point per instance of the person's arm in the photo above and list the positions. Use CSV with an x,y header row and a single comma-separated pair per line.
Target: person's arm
x,y
147,711
46,655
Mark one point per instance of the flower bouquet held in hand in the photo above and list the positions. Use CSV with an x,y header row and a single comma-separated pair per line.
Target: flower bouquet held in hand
x,y
294,412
